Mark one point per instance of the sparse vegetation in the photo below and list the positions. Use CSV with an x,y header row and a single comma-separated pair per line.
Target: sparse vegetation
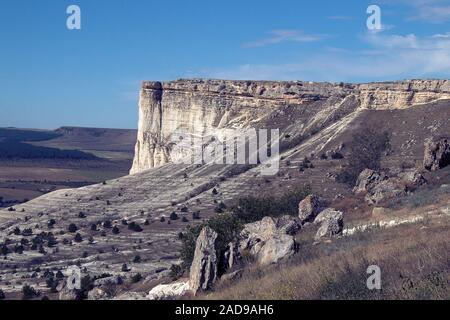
x,y
250,209
365,152
29,292
337,270
227,226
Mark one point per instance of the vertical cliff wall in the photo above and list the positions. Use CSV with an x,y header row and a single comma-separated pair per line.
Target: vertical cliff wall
x,y
204,107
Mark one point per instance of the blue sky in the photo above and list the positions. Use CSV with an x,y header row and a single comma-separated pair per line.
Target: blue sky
x,y
51,76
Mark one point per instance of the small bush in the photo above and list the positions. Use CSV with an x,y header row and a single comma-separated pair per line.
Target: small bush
x,y
115,230
136,278
134,227
250,209
29,292
107,224
78,238
176,272
72,228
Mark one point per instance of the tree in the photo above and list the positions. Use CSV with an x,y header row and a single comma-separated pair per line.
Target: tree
x,y
72,228
115,230
28,292
136,278
78,238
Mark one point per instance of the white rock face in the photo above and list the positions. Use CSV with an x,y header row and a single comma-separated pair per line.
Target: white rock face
x,y
168,291
208,107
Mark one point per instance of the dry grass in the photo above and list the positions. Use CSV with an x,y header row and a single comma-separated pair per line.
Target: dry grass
x,y
414,261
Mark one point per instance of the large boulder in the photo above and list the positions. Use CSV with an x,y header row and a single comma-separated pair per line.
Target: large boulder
x,y
275,249
386,190
309,208
331,223
368,179
69,294
261,230
98,294
169,291
270,239
203,272
412,179
437,154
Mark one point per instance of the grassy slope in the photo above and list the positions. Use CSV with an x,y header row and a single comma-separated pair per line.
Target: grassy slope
x,y
414,261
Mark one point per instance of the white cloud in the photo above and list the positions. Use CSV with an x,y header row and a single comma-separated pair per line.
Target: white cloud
x,y
388,57
432,11
284,35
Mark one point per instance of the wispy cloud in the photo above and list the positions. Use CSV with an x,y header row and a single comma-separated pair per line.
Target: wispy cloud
x,y
387,57
432,11
284,35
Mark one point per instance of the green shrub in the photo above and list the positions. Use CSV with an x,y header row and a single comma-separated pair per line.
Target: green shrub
x,y
28,292
250,209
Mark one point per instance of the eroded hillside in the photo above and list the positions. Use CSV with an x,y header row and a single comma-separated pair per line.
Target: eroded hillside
x,y
130,216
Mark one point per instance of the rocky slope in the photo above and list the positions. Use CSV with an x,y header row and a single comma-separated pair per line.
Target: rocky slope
x,y
313,119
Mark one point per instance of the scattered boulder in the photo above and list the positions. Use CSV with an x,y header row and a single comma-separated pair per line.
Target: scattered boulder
x,y
270,239
69,294
261,230
309,208
203,272
386,190
97,294
437,154
368,179
287,225
169,291
275,249
331,223
412,179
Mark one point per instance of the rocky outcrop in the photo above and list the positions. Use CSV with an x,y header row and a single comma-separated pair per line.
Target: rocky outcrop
x,y
270,240
208,107
367,180
275,249
309,208
437,154
203,272
386,190
69,294
379,187
169,291
331,223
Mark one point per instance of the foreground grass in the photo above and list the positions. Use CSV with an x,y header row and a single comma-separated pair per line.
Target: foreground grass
x,y
414,262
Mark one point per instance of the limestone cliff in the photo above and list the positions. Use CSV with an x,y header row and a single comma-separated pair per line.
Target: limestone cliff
x,y
201,107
